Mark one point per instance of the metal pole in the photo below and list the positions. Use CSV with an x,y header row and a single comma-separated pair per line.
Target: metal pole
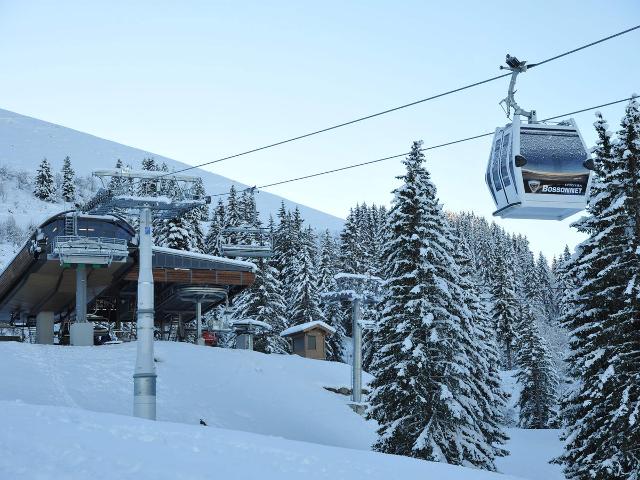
x,y
81,293
199,319
144,377
250,340
357,351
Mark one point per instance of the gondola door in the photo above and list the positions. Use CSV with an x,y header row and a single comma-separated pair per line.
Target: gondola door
x,y
507,173
493,171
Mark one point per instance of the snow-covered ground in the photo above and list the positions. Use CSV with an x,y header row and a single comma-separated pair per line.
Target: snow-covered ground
x,y
65,415
531,451
278,395
67,444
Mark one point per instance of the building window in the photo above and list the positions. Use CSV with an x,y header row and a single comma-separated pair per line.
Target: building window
x,y
298,344
311,342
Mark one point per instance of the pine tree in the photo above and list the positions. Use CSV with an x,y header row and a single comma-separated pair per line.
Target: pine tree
x,y
176,234
352,253
68,181
538,380
264,302
545,286
505,305
149,188
217,224
423,393
332,310
44,186
483,353
601,414
116,184
305,302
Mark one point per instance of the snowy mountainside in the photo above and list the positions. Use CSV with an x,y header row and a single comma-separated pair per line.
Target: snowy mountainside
x,y
24,141
21,211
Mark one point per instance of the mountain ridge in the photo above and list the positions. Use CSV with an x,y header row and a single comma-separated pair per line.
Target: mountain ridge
x,y
25,140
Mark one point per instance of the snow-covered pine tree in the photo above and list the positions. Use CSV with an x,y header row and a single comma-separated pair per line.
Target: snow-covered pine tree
x,y
602,413
564,283
332,310
505,308
149,188
537,378
68,181
282,241
351,245
233,213
545,287
264,302
291,252
482,353
216,225
423,396
194,218
44,185
305,301
116,183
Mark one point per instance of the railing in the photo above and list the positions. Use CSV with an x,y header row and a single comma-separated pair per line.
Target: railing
x,y
76,249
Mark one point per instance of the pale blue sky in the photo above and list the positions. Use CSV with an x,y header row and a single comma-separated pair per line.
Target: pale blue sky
x,y
199,80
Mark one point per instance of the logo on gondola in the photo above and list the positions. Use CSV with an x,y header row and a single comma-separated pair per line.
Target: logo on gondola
x,y
534,185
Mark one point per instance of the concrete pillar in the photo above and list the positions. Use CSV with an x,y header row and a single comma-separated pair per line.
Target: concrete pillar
x,y
44,328
244,341
81,334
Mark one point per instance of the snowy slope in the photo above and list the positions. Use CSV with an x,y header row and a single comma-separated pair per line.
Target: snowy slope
x,y
530,454
269,409
236,389
68,444
24,141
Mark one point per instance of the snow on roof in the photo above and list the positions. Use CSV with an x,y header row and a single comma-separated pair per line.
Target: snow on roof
x,y
204,256
251,322
303,327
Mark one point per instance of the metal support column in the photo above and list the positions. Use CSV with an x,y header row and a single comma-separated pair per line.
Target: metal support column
x,y
199,322
81,293
144,378
357,352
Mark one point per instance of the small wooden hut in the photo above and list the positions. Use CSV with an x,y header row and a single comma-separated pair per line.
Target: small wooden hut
x,y
308,339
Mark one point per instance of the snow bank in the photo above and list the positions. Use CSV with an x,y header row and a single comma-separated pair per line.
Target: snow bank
x,y
46,442
279,395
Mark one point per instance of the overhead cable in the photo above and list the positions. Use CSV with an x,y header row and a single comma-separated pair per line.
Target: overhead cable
x,y
406,105
432,147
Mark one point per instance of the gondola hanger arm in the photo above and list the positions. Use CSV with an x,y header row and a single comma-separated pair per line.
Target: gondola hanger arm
x,y
515,66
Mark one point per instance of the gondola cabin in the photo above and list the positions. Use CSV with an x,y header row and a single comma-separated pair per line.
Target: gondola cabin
x,y
538,170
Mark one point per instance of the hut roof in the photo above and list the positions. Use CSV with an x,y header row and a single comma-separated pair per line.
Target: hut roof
x,y
304,327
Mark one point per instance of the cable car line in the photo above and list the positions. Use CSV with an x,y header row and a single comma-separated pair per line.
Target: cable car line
x,y
411,104
391,157
584,46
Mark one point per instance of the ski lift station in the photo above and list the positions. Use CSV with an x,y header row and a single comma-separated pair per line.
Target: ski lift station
x,y
74,262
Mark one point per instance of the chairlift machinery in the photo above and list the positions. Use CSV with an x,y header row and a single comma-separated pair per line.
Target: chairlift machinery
x,y
537,170
245,241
